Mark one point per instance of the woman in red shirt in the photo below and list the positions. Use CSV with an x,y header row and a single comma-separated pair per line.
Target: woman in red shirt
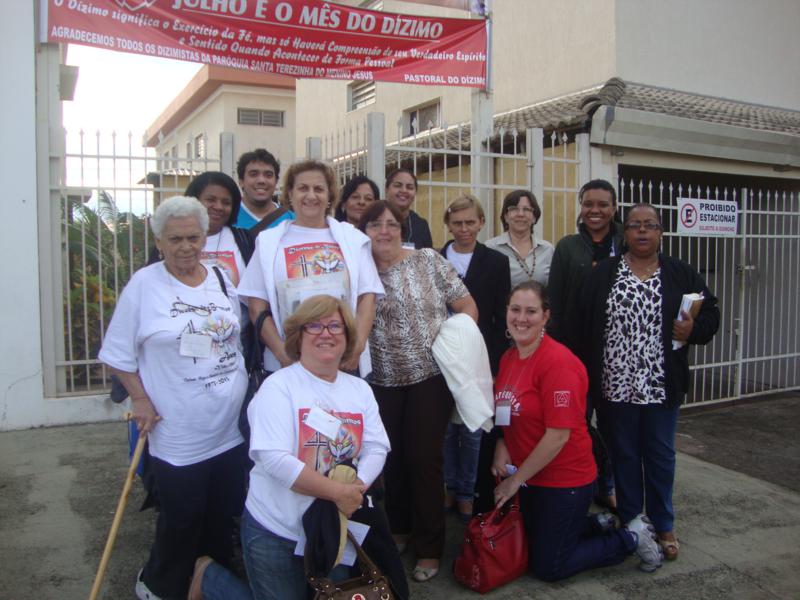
x,y
546,452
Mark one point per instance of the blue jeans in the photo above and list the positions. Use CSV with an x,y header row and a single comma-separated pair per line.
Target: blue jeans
x,y
461,449
641,439
274,572
563,539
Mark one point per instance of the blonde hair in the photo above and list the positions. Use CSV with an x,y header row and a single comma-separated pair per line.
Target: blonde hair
x,y
311,310
463,202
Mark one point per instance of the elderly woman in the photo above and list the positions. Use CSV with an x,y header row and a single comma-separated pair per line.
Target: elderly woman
x,y
357,195
545,453
173,342
227,246
305,419
415,403
401,191
485,272
628,313
310,255
528,257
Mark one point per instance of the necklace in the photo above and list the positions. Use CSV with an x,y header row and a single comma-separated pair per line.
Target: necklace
x,y
642,273
537,342
522,262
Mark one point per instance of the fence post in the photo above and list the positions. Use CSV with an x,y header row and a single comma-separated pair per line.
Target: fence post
x,y
535,150
314,148
226,156
376,148
584,164
742,272
481,171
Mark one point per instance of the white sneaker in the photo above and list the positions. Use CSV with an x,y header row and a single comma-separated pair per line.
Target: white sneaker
x,y
605,521
142,591
647,548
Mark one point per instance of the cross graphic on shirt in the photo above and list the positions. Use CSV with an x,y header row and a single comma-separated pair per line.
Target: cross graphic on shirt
x,y
318,441
303,264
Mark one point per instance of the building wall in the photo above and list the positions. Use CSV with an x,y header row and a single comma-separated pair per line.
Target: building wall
x,y
735,49
569,44
219,113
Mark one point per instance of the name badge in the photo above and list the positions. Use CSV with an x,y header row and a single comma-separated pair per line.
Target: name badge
x,y
195,345
502,414
323,422
409,246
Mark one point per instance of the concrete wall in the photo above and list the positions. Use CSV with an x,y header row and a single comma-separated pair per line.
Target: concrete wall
x,y
735,49
219,113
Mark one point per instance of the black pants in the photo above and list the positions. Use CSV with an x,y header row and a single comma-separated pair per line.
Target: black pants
x,y
198,505
416,417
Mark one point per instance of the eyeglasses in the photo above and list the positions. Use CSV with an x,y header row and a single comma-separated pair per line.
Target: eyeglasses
x,y
378,225
518,208
649,225
334,328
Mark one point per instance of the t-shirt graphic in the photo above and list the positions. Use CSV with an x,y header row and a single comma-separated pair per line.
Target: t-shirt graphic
x,y
311,269
224,259
218,324
321,453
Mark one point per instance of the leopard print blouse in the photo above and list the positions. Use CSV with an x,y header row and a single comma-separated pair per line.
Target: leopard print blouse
x,y
408,317
633,356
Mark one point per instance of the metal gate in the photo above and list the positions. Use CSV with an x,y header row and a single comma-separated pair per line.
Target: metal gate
x,y
104,196
756,278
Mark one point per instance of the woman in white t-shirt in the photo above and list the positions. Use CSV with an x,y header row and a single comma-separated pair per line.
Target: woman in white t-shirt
x,y
305,419
174,343
313,254
227,246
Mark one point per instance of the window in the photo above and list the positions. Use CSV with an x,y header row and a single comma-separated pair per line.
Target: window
x,y
174,153
421,118
360,94
188,150
256,116
199,146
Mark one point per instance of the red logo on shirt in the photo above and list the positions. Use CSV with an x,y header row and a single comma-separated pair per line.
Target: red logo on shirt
x,y
561,399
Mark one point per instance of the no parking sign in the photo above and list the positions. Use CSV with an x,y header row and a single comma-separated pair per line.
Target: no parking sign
x,y
702,217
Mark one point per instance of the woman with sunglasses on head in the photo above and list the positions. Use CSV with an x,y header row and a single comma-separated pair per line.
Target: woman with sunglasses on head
x,y
636,351
312,254
528,257
414,400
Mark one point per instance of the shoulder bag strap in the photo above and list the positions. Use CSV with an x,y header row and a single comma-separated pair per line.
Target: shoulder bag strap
x,y
221,280
268,220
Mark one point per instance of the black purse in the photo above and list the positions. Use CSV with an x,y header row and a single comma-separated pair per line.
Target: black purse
x,y
256,375
371,585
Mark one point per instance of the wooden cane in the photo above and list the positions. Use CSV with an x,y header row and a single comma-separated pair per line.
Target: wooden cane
x,y
123,500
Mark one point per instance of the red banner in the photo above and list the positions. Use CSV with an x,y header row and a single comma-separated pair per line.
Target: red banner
x,y
303,39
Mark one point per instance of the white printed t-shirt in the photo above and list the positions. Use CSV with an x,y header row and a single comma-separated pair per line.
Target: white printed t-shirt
x,y
221,251
291,263
198,399
281,444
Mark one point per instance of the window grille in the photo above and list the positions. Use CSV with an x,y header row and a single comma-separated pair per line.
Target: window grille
x,y
264,118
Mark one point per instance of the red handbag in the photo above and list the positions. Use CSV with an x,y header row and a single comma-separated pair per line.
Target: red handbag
x,y
494,550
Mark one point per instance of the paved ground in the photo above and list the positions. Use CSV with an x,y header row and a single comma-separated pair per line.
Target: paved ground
x,y
737,497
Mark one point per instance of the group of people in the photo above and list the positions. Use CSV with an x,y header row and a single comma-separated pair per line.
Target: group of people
x,y
346,297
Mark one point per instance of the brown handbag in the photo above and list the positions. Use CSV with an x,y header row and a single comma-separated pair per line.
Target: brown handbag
x,y
372,585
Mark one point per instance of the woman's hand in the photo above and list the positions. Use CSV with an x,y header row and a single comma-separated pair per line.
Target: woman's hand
x,y
501,459
349,498
681,330
506,490
144,413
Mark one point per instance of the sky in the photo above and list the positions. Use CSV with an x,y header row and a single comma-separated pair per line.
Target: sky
x,y
121,91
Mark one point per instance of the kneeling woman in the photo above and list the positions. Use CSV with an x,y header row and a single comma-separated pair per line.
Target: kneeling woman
x,y
292,445
540,396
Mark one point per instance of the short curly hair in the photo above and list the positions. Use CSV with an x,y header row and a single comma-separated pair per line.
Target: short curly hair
x,y
311,310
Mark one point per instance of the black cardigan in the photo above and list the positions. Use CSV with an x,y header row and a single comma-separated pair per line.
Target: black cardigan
x,y
677,278
488,280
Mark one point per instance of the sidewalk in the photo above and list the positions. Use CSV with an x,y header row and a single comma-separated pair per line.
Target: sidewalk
x,y
739,535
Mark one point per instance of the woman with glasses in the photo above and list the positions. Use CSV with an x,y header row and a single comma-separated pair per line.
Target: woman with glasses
x,y
635,347
415,403
306,419
312,254
528,257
